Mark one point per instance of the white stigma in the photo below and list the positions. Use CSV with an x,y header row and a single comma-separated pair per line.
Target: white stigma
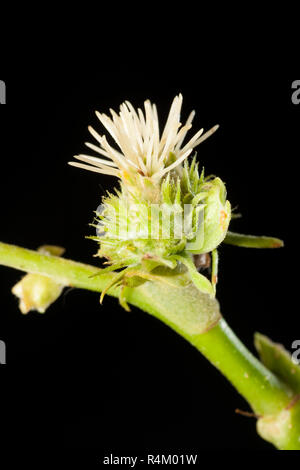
x,y
141,149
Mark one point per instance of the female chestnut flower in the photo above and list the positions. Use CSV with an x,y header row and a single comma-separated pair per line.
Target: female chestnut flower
x,y
165,211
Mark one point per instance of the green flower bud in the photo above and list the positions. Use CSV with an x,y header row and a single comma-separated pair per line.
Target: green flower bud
x,y
37,292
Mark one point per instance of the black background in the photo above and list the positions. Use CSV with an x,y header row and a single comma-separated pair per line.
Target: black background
x,y
94,379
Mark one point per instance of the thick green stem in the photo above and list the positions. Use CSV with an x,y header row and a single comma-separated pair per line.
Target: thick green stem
x,y
64,271
191,313
263,391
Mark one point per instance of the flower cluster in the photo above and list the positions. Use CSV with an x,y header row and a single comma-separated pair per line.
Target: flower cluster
x,y
165,211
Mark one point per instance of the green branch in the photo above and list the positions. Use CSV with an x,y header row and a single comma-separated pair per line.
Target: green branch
x,y
64,271
196,317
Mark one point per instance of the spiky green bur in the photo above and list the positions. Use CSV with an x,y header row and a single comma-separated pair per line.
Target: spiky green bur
x,y
164,224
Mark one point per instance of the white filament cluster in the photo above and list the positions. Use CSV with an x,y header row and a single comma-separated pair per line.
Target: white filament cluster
x,y
141,147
